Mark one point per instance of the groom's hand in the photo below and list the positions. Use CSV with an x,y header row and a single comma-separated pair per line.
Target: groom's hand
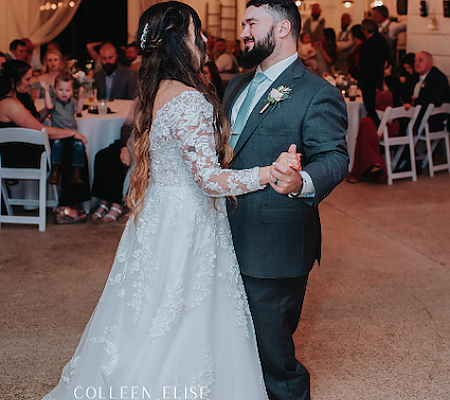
x,y
283,178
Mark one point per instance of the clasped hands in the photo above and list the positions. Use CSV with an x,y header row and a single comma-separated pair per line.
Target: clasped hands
x,y
284,176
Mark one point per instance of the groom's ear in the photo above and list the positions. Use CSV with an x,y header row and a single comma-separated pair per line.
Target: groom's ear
x,y
284,29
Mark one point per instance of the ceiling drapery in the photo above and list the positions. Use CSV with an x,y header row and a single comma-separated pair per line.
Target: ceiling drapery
x,y
25,19
135,10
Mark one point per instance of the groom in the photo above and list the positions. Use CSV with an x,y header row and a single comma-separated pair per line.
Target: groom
x,y
276,231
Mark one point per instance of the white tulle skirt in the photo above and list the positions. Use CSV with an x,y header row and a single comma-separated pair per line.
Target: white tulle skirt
x,y
173,320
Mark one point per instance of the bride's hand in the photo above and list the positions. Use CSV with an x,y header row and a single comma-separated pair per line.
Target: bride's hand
x,y
291,158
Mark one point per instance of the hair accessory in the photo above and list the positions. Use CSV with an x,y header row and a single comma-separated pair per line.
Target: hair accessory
x,y
144,36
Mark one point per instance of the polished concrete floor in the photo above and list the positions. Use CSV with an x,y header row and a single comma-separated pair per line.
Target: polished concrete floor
x,y
376,319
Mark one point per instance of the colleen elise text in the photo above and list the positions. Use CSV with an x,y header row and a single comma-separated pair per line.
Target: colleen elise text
x,y
142,392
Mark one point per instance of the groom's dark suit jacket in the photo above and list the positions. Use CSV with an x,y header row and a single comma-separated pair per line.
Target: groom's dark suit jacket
x,y
275,236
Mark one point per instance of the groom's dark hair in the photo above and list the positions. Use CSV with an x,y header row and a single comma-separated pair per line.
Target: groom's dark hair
x,y
281,10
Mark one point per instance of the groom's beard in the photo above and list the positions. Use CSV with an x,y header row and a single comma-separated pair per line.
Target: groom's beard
x,y
261,50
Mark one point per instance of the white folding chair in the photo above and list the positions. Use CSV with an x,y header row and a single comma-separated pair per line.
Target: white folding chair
x,y
32,136
432,138
394,146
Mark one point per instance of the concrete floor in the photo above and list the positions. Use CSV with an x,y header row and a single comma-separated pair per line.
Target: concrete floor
x,y
376,319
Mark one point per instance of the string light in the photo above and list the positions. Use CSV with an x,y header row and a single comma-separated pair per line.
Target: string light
x,y
376,3
53,6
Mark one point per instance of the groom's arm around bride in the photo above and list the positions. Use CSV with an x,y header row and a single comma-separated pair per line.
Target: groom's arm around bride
x,y
276,231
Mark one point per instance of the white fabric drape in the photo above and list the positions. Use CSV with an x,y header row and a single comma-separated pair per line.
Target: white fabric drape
x,y
135,10
24,19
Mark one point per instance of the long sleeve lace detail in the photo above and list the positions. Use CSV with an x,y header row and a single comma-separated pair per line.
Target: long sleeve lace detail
x,y
195,135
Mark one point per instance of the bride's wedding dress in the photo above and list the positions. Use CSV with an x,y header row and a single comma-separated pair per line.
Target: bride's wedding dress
x,y
173,321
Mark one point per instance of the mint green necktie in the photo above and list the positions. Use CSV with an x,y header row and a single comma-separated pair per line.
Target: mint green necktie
x,y
243,112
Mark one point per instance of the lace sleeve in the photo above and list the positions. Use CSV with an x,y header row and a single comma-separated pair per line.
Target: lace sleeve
x,y
195,135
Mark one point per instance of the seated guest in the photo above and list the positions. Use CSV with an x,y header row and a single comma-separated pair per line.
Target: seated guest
x,y
408,77
212,77
63,108
53,66
353,58
430,87
32,57
110,168
17,51
326,52
132,54
16,112
2,59
236,50
380,90
114,81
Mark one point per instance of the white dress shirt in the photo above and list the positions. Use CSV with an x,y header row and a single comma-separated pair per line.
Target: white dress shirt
x,y
272,73
393,28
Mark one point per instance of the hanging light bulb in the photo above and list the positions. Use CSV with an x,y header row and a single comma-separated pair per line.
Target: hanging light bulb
x,y
347,3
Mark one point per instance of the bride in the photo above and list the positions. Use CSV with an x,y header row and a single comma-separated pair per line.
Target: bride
x,y
173,320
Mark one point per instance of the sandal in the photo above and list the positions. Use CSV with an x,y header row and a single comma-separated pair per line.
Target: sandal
x,y
69,216
112,216
101,212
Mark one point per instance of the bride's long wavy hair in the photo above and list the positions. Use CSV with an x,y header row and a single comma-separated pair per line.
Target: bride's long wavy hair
x,y
162,35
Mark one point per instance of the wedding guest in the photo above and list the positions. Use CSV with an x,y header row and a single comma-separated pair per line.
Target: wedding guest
x,y
93,53
14,112
315,25
53,66
430,87
63,108
389,28
345,43
380,90
213,79
110,168
408,77
237,51
326,52
431,84
306,51
374,45
226,63
32,58
17,51
353,58
2,59
133,56
114,81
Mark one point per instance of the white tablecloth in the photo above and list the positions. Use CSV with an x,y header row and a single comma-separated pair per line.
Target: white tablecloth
x,y
356,111
99,130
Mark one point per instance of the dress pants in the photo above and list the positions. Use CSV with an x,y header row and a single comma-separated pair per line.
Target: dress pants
x,y
276,305
109,174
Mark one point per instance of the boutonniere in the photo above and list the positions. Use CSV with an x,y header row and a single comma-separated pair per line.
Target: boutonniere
x,y
276,96
423,84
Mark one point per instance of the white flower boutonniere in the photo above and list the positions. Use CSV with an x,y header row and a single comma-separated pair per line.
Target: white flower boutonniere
x,y
275,96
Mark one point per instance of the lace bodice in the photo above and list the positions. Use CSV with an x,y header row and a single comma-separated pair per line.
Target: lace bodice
x,y
183,150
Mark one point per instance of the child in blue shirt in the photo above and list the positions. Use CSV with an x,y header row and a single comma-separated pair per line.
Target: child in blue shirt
x,y
62,114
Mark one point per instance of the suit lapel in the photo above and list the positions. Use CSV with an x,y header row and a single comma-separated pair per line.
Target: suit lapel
x,y
116,80
287,78
235,91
